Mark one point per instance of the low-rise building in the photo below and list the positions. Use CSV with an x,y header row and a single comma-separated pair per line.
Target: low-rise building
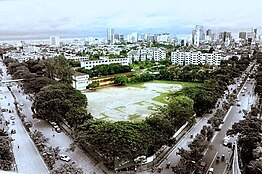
x,y
80,81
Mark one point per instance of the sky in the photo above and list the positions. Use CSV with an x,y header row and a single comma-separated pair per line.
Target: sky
x,y
35,18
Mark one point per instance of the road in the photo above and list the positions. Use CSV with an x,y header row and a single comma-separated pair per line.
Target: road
x,y
27,158
247,99
59,139
232,116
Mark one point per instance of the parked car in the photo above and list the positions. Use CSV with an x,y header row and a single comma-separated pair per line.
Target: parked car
x,y
58,130
65,158
21,104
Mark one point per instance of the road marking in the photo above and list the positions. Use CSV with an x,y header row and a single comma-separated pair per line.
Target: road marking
x,y
212,162
225,169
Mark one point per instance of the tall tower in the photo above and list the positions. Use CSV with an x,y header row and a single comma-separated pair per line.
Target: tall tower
x,y
110,35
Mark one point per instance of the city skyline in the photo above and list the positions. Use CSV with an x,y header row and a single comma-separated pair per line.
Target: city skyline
x,y
28,18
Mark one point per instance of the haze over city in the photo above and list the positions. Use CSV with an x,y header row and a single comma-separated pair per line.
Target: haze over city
x,y
80,18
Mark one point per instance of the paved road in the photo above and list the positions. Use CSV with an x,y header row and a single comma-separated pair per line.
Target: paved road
x,y
247,99
27,158
59,139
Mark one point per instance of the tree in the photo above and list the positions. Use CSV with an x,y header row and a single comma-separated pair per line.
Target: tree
x,y
249,130
68,168
93,85
179,110
120,140
121,79
54,101
34,85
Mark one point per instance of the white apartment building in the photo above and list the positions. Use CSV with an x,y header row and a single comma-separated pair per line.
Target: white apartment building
x,y
144,54
159,55
195,58
104,61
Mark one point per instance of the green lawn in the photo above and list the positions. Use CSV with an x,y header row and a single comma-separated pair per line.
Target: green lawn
x,y
184,84
162,98
134,117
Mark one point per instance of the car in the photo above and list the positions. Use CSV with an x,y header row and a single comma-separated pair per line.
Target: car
x,y
21,104
53,124
58,130
12,117
243,94
226,141
238,103
65,158
210,171
245,88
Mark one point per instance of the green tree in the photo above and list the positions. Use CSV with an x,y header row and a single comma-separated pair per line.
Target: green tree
x,y
121,79
68,168
93,85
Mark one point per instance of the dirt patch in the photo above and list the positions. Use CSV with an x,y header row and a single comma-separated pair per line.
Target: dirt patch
x,y
127,103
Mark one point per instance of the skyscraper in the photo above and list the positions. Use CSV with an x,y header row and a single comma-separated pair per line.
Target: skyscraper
x,y
242,35
110,35
198,34
201,31
255,31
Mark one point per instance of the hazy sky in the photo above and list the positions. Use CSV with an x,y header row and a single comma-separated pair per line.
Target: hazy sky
x,y
86,17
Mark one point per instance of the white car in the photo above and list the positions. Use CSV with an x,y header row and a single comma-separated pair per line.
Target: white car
x,y
21,104
238,103
226,141
65,158
210,171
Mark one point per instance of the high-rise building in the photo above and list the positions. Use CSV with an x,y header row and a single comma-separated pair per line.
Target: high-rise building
x,y
195,37
209,35
55,41
200,28
225,36
255,31
110,35
243,35
198,34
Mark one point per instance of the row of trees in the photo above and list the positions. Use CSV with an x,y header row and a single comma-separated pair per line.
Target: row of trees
x,y
54,98
6,156
249,140
103,70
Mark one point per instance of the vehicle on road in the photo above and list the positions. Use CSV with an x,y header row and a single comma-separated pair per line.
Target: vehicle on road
x,y
12,117
53,124
58,130
159,169
238,103
65,158
210,171
226,141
